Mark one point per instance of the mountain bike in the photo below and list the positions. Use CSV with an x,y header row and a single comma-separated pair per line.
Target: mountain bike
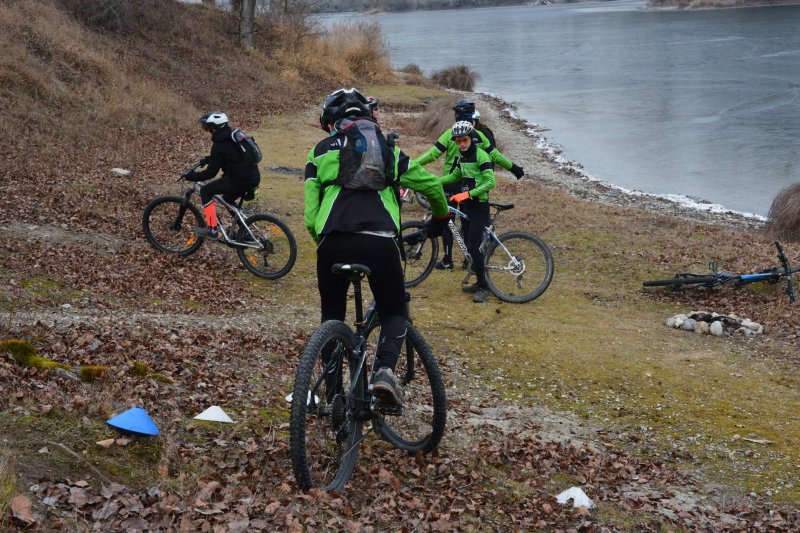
x,y
264,243
519,265
331,397
408,196
717,278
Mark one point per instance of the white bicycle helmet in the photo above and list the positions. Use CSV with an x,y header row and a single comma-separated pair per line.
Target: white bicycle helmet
x,y
213,120
462,128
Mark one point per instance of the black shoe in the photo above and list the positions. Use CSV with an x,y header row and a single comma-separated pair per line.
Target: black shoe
x,y
385,387
470,288
443,265
207,232
480,296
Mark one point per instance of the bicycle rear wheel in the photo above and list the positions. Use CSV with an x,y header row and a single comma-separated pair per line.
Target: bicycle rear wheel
x,y
520,268
420,255
421,426
682,281
276,252
324,431
166,226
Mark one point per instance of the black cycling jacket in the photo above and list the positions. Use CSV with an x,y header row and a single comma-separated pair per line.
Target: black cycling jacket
x,y
226,155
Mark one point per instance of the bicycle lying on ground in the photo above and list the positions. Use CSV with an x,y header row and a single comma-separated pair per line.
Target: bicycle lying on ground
x,y
519,265
264,243
717,278
331,398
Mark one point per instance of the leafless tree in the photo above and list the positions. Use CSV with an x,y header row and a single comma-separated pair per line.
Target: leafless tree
x,y
246,22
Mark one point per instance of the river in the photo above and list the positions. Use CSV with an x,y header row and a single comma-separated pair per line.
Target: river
x,y
703,105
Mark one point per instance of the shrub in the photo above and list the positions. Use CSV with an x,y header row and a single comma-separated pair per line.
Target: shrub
x,y
113,15
783,220
412,68
458,77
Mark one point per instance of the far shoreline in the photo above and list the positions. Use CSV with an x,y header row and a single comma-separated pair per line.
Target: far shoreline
x,y
571,177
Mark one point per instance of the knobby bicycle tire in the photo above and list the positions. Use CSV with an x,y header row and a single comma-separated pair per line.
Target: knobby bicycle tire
x,y
420,256
527,275
680,280
422,200
278,251
166,228
422,424
323,433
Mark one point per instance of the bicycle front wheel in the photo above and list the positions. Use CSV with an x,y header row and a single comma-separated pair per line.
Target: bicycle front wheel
x,y
272,248
324,430
682,281
420,255
421,425
167,225
519,268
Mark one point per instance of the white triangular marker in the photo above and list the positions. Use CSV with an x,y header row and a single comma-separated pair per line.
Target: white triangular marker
x,y
214,414
578,497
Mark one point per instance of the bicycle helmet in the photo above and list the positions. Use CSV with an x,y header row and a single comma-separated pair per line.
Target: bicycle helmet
x,y
213,120
464,109
462,128
341,104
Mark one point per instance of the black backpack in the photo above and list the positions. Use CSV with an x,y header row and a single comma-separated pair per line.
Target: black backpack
x,y
366,160
247,144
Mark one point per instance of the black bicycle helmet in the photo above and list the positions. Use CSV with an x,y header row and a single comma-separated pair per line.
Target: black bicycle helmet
x,y
464,109
213,120
344,103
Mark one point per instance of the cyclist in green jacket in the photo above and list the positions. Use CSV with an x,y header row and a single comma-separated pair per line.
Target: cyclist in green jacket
x,y
473,171
464,111
352,212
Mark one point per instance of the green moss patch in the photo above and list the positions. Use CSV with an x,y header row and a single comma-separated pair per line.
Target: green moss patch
x,y
24,354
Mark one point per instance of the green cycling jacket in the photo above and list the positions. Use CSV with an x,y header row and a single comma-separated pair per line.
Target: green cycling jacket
x,y
330,207
446,145
475,170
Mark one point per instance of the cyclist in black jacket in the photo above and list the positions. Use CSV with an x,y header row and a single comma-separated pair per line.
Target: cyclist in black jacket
x,y
240,173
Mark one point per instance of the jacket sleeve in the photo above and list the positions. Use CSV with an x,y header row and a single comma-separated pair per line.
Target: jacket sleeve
x,y
455,174
497,157
413,176
212,168
311,190
487,181
435,151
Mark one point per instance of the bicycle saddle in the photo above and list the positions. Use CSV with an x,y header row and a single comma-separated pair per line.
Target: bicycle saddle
x,y
501,207
339,268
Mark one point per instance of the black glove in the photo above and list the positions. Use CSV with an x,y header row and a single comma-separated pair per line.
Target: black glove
x,y
436,226
203,162
517,171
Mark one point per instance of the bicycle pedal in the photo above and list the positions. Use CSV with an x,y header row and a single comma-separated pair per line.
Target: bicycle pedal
x,y
389,410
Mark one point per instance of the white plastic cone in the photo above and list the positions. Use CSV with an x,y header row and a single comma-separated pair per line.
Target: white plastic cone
x,y
214,414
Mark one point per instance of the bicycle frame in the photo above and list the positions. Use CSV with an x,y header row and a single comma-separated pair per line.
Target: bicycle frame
x,y
233,210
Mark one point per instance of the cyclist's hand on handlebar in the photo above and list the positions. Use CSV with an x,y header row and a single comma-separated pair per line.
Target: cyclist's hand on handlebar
x,y
185,174
436,226
460,197
204,161
517,170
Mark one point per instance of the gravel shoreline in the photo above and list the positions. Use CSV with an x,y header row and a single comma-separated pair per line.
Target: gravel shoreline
x,y
523,144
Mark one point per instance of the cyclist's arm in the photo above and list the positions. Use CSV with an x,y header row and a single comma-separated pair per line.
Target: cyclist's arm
x,y
496,155
487,181
413,176
312,190
212,168
435,151
454,176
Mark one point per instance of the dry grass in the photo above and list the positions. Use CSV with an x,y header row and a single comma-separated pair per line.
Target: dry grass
x,y
7,485
438,117
412,68
783,220
458,77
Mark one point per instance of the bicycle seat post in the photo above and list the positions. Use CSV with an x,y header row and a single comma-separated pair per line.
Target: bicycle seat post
x,y
355,278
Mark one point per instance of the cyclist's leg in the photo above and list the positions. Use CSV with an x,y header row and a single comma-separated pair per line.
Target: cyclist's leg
x,y
238,189
207,192
447,237
478,213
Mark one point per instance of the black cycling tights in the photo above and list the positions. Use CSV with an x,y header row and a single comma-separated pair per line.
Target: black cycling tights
x,y
229,189
382,256
478,213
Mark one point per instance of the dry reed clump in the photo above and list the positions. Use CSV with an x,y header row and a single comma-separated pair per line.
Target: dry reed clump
x,y
458,77
438,117
363,49
412,68
783,220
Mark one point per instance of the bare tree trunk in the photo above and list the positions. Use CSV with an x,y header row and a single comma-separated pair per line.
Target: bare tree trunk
x,y
247,18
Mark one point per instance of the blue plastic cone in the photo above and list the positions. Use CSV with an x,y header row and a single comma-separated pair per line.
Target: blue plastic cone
x,y
136,420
